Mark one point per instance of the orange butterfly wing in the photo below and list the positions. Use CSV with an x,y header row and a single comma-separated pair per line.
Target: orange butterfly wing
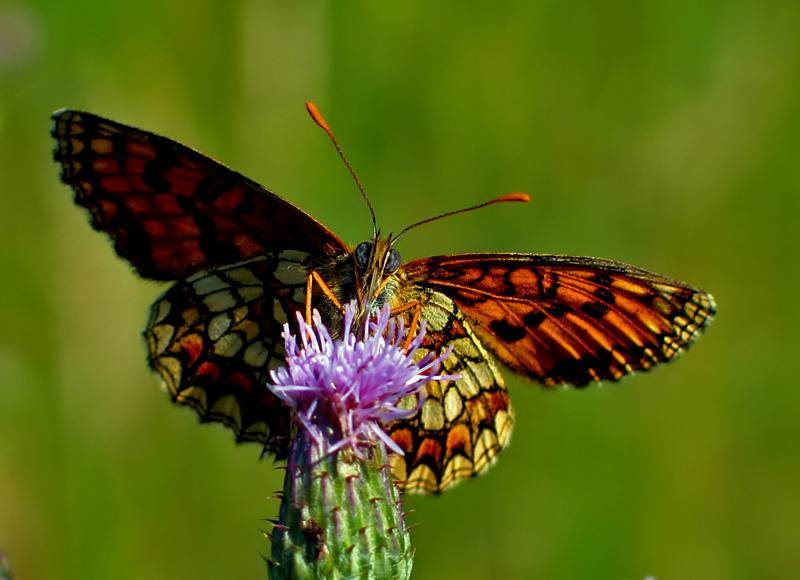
x,y
170,210
566,319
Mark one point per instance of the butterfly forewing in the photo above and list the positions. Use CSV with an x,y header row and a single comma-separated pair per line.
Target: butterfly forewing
x,y
565,319
170,210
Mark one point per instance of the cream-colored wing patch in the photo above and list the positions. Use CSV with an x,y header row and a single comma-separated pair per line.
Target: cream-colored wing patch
x,y
463,424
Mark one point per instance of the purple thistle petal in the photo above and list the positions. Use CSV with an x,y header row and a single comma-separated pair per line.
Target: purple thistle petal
x,y
351,387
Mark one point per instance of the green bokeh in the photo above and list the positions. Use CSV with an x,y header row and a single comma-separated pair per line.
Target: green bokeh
x,y
664,133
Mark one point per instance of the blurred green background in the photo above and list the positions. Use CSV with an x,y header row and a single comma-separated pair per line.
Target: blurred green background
x,y
664,133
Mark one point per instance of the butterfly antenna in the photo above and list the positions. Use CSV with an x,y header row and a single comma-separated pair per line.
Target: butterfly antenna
x,y
317,116
507,197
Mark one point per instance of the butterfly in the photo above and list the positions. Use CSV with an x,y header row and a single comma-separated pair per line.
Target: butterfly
x,y
242,260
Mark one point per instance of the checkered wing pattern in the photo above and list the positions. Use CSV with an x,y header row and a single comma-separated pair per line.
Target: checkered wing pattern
x,y
170,210
463,424
214,337
567,319
555,319
239,255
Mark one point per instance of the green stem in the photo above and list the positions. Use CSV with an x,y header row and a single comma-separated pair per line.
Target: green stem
x,y
340,516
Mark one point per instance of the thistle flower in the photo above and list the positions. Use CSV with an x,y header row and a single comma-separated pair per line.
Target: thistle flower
x,y
340,512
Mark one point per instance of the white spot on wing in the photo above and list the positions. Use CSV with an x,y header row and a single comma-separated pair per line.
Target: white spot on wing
x,y
229,345
219,325
219,301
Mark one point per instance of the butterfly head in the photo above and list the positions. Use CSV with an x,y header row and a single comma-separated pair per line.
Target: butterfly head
x,y
375,262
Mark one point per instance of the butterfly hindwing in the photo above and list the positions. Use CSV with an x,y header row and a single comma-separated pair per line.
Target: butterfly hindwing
x,y
566,319
214,337
463,424
170,210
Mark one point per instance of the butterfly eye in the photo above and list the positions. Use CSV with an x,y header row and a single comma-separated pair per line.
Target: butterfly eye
x,y
363,250
392,262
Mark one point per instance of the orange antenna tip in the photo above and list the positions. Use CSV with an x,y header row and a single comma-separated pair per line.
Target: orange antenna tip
x,y
317,116
514,197
506,197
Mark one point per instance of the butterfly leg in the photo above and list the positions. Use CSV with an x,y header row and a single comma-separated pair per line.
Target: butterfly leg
x,y
315,277
412,328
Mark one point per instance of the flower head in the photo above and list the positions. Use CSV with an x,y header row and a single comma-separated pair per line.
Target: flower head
x,y
345,390
340,515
